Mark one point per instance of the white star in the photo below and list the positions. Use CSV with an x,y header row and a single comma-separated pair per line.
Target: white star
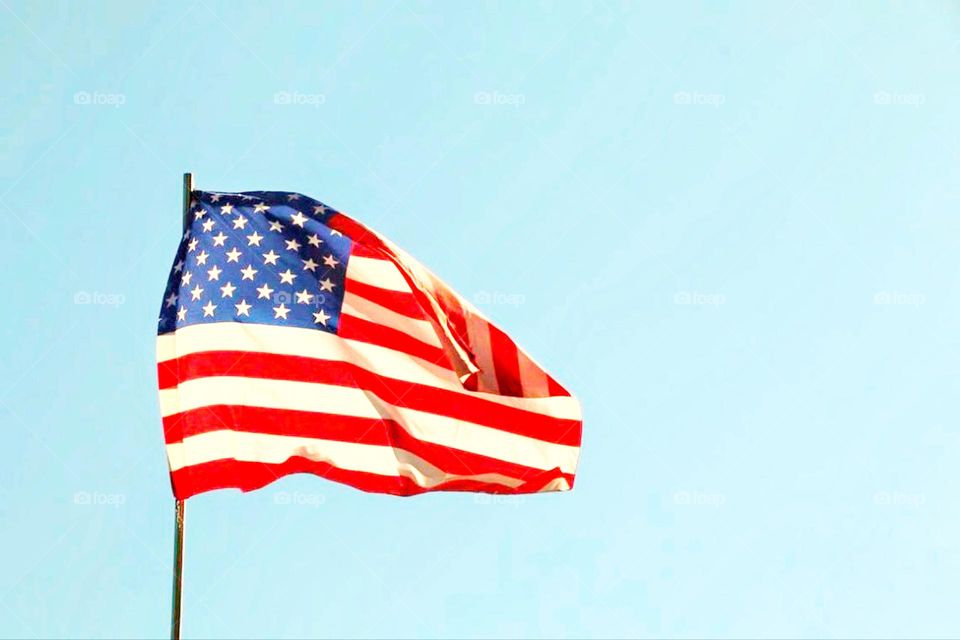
x,y
208,225
202,257
208,309
293,245
196,292
298,219
293,196
276,226
309,265
192,245
246,196
233,255
186,234
254,239
182,314
326,285
226,209
280,311
287,277
330,261
226,291
334,232
248,273
214,273
320,318
320,208
178,267
219,239
314,240
186,278
270,257
304,297
240,222
172,300
260,208
215,197
199,214
264,292
243,309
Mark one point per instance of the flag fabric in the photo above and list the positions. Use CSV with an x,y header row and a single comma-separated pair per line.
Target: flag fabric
x,y
293,339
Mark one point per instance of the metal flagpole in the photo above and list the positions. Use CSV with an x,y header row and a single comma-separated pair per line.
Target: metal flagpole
x,y
177,573
178,531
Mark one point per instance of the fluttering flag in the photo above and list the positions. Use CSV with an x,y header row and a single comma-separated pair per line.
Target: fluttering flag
x,y
293,339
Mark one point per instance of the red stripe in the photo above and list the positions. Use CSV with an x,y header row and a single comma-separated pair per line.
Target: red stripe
x,y
358,233
401,302
168,373
324,426
353,328
554,388
396,392
506,363
248,476
367,251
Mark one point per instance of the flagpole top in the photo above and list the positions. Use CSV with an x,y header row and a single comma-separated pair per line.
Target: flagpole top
x,y
187,190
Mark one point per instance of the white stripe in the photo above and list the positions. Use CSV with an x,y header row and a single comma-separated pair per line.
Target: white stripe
x,y
557,484
274,449
309,343
323,398
532,377
487,441
378,273
269,394
358,307
479,331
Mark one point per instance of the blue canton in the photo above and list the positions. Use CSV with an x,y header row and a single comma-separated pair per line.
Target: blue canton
x,y
264,257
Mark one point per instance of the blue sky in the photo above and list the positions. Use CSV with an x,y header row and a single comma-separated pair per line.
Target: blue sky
x,y
729,228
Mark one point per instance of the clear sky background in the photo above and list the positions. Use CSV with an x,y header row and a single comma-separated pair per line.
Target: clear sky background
x,y
730,228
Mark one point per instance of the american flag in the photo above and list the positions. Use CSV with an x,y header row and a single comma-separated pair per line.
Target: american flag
x,y
293,339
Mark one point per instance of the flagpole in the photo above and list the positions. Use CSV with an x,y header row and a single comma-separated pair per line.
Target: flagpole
x,y
179,509
177,572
